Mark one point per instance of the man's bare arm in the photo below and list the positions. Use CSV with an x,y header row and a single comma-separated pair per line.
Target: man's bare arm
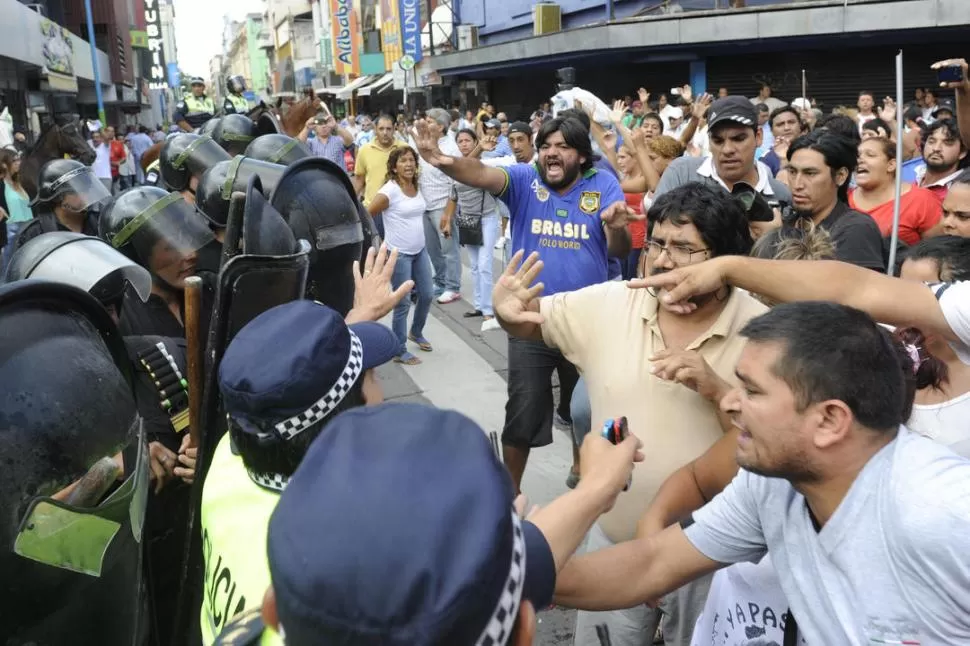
x,y
466,170
632,573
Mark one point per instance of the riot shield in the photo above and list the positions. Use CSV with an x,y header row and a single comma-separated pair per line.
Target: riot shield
x,y
268,124
249,284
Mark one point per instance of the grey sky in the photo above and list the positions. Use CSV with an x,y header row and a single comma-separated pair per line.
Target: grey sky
x,y
198,29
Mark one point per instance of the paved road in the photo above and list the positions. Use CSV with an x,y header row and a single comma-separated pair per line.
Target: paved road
x,y
467,372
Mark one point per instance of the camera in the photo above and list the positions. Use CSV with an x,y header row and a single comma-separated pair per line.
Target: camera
x,y
950,74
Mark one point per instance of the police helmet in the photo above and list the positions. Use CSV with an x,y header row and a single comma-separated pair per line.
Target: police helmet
x,y
236,84
233,133
197,80
62,177
136,221
85,262
185,155
222,180
277,149
70,555
209,126
318,201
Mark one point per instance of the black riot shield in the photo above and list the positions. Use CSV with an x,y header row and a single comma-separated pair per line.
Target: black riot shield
x,y
267,124
272,270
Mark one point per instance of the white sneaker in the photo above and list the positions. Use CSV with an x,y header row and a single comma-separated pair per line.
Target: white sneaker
x,y
449,297
500,243
490,324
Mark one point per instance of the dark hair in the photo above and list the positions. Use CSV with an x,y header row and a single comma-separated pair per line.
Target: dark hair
x,y
859,365
925,369
718,217
392,160
763,107
913,113
469,132
284,456
950,130
579,115
838,151
653,116
930,90
840,125
783,109
867,93
952,254
7,157
382,116
876,125
573,132
912,378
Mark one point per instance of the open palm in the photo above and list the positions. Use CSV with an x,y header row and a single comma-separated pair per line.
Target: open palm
x,y
512,294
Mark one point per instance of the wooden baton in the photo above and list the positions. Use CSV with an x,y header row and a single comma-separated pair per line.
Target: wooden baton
x,y
195,349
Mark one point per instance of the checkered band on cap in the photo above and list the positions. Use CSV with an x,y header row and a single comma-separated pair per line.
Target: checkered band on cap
x,y
499,628
272,481
295,425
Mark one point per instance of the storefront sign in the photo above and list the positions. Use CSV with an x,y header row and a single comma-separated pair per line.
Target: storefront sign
x,y
347,39
410,11
153,28
139,39
58,48
391,33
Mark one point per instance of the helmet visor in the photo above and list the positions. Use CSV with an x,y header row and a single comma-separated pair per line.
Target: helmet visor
x,y
93,266
78,190
200,155
73,529
166,237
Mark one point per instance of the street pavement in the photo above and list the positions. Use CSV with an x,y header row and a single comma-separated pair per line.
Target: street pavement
x,y
467,372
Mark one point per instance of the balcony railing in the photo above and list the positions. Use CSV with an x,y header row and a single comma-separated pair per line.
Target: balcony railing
x,y
666,7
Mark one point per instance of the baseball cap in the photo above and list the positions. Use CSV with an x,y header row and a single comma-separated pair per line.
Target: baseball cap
x,y
398,529
289,367
493,123
946,105
735,109
520,126
801,103
675,113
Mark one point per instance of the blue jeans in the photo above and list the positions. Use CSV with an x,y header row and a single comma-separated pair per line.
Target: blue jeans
x,y
414,267
579,408
444,252
13,232
481,264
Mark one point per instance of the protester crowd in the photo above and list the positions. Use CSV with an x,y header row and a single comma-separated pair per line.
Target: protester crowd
x,y
770,430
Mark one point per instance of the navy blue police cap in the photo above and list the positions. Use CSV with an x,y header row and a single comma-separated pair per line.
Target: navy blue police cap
x,y
289,367
398,529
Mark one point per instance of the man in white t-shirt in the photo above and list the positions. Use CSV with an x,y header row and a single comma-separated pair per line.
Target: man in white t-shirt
x,y
102,159
866,523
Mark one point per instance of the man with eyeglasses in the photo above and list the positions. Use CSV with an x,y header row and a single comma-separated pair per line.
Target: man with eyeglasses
x,y
665,371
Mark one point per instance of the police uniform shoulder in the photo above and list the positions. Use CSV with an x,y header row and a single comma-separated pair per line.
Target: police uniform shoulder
x,y
33,229
245,629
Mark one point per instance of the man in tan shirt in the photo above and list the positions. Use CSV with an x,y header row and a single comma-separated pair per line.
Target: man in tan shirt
x,y
664,371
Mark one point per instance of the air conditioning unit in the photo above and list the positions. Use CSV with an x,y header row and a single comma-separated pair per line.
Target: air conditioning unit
x,y
467,37
546,18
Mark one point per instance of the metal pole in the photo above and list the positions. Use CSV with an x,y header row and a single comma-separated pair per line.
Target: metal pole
x,y
94,63
804,88
894,240
430,7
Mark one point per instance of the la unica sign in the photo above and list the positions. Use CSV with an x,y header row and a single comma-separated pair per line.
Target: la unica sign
x,y
153,28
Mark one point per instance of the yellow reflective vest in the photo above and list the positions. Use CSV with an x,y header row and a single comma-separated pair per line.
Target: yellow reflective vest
x,y
235,520
238,102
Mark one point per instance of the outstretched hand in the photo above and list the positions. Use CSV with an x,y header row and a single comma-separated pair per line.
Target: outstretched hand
x,y
619,214
683,283
512,293
427,145
373,293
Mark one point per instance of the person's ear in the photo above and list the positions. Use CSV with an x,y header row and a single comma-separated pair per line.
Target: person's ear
x,y
525,625
833,422
270,618
842,176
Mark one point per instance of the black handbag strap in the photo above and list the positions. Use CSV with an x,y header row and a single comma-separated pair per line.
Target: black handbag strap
x,y
791,630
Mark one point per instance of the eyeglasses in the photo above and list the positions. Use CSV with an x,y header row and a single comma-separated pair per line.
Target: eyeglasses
x,y
679,254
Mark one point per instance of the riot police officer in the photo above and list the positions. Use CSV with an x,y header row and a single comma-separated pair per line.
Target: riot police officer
x,y
277,149
77,477
67,192
161,394
195,108
234,132
161,232
183,159
235,102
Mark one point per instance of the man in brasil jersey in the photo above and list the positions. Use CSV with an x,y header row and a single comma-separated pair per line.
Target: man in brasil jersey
x,y
574,217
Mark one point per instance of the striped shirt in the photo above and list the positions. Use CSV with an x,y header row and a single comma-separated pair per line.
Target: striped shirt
x,y
332,148
434,185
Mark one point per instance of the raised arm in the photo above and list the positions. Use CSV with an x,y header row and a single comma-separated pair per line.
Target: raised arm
x,y
462,169
962,89
887,300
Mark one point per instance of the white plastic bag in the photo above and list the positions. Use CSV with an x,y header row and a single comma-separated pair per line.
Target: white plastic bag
x,y
565,100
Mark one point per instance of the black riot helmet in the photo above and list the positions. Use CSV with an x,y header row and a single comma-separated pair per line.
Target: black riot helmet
x,y
318,201
72,519
156,229
277,149
219,182
233,133
60,179
88,263
236,84
209,126
185,155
